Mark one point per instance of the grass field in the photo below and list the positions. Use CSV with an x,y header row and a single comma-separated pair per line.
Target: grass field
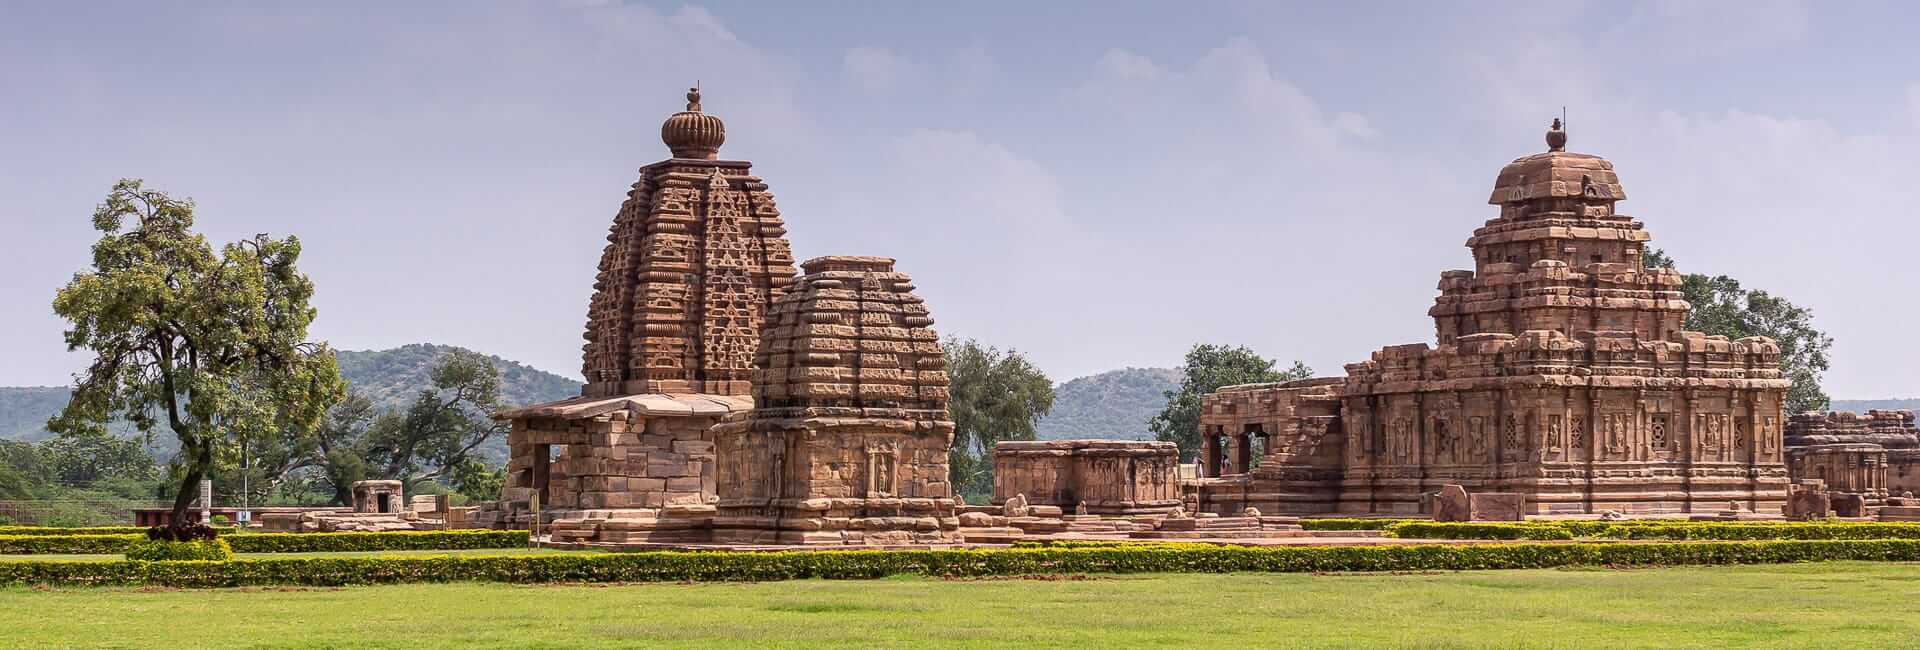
x,y
1837,604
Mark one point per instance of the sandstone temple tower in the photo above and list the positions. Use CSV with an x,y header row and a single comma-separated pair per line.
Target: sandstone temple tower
x,y
694,260
848,441
1561,373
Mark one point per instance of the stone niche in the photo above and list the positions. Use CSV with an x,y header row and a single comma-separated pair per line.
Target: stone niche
x,y
1110,477
848,441
378,497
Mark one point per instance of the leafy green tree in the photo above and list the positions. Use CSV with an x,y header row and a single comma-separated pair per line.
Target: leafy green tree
x,y
85,457
1722,307
1208,368
207,344
434,439
996,396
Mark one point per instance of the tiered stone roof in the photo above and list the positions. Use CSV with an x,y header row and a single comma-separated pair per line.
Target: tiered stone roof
x,y
851,333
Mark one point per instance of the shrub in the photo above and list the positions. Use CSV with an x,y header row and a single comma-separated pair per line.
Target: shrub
x,y
46,530
431,540
785,565
1338,523
74,544
160,550
438,540
1659,529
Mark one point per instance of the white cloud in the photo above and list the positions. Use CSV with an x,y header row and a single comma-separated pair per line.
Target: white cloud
x,y
876,69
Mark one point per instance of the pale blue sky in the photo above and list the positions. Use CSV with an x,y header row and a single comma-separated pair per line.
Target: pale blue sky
x,y
1097,184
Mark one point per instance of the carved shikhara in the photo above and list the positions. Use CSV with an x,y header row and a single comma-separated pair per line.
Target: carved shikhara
x,y
848,440
1561,373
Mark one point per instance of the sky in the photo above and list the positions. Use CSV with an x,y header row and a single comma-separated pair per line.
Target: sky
x,y
1098,185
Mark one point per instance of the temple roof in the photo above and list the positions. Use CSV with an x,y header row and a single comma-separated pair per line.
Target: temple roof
x,y
1556,174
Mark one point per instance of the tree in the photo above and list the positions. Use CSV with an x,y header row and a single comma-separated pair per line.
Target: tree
x,y
995,396
209,345
435,438
82,458
1209,368
1722,307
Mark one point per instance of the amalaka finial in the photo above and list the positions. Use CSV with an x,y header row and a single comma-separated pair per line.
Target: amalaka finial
x,y
1556,137
693,134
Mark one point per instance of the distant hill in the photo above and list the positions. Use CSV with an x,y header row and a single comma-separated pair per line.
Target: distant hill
x,y
390,377
1114,404
24,411
1864,405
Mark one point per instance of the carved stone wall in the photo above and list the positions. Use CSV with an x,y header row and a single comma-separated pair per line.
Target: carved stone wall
x,y
848,441
1875,454
1116,477
1561,374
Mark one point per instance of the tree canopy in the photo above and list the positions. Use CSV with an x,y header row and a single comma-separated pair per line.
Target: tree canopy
x,y
996,396
434,438
209,345
1208,368
1722,307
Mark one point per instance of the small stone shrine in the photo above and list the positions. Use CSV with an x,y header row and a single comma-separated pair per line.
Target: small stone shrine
x,y
848,440
1562,374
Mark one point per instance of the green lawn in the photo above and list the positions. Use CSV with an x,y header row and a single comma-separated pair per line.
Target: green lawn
x,y
264,556
1833,605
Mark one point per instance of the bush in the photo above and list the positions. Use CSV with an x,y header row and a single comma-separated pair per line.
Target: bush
x,y
160,550
1479,530
1657,529
438,540
68,544
48,530
706,566
431,540
1337,523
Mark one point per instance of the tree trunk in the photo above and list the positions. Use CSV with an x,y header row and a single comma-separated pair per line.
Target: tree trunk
x,y
200,459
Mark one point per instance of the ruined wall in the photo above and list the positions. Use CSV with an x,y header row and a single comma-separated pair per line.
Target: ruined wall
x,y
613,460
1108,476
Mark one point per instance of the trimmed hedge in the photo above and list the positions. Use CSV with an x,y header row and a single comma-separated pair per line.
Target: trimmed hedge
x,y
157,550
1339,523
410,540
433,540
21,531
74,544
1660,529
713,566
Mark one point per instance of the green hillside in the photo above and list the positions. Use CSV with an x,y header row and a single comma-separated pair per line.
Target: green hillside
x,y
393,377
1114,404
24,411
390,377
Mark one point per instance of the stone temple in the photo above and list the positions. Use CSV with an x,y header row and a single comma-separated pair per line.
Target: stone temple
x,y
694,261
1561,374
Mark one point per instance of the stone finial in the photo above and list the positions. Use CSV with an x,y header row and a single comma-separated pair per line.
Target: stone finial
x,y
693,134
1556,137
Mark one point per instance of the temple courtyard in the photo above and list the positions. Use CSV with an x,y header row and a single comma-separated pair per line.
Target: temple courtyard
x,y
1826,604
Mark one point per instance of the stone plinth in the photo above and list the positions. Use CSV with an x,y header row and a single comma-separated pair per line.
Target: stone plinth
x,y
1110,477
849,438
